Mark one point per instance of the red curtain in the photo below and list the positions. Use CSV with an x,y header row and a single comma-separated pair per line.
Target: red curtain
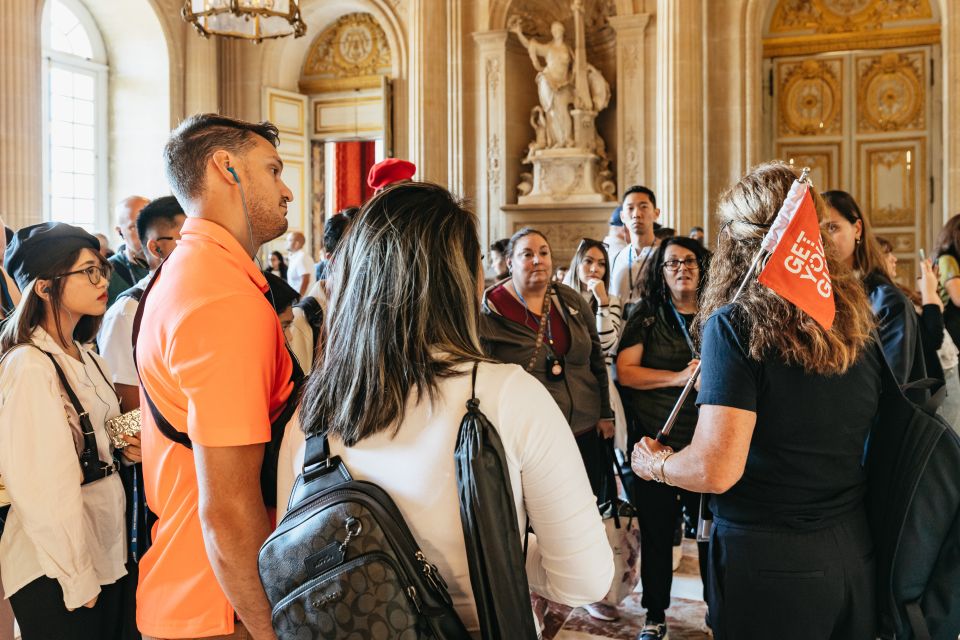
x,y
353,162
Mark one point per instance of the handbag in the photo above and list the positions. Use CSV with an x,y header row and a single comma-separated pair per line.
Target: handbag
x,y
623,534
489,517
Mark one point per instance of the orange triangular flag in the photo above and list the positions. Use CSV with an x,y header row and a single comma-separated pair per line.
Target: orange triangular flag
x,y
797,269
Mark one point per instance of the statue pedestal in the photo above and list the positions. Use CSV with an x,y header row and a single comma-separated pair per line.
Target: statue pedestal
x,y
563,176
564,223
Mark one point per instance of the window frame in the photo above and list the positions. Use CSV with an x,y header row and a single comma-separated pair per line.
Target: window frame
x,y
97,68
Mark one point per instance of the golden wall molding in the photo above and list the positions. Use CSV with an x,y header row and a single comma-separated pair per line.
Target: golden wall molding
x,y
890,92
885,39
810,97
351,53
844,16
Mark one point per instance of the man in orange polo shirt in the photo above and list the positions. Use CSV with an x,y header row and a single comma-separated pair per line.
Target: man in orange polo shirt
x,y
211,357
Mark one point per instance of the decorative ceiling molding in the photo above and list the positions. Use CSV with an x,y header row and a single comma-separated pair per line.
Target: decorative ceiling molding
x,y
803,27
352,53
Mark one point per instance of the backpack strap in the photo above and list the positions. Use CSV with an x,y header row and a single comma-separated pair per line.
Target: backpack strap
x,y
163,425
134,292
917,622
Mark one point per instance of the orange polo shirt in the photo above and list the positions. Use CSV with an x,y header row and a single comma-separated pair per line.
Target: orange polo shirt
x,y
211,355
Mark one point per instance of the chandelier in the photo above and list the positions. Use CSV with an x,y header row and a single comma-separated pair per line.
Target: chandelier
x,y
255,20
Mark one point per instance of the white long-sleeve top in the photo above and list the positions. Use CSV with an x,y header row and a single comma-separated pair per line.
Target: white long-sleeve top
x,y
56,528
609,322
569,559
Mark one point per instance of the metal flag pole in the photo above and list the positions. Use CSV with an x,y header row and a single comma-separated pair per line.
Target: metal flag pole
x,y
672,418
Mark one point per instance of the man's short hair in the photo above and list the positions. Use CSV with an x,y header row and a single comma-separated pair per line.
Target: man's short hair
x,y
336,226
696,229
197,138
664,232
640,189
160,211
500,246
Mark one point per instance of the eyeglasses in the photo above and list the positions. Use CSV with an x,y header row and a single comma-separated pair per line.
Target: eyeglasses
x,y
94,274
165,238
675,265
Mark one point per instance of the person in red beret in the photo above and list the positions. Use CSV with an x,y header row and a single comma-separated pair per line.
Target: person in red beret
x,y
390,171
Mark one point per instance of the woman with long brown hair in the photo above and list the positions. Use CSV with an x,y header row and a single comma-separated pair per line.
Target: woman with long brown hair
x,y
857,248
785,409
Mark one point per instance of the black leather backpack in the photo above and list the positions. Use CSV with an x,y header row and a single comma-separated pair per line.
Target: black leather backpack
x,y
913,505
343,560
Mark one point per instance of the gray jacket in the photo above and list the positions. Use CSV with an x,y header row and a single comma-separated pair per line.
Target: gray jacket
x,y
583,395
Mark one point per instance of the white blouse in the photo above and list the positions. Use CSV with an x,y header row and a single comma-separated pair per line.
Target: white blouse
x,y
56,528
569,559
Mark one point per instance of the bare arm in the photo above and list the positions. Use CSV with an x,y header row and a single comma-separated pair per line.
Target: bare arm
x,y
631,374
235,523
129,396
714,460
953,290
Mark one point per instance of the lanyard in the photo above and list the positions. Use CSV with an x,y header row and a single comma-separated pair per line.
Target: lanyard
x,y
630,266
683,328
543,317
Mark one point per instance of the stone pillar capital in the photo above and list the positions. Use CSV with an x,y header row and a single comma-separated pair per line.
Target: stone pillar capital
x,y
628,23
488,40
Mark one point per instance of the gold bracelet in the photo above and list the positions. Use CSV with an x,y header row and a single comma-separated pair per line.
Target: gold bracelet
x,y
659,457
663,473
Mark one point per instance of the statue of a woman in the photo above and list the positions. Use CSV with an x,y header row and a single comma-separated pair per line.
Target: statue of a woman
x,y
554,82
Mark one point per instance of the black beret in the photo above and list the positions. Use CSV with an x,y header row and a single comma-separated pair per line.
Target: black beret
x,y
35,249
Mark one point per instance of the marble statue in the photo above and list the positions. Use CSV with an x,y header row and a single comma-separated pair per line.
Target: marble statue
x,y
568,156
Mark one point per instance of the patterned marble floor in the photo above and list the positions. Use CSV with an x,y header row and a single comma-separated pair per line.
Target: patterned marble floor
x,y
685,617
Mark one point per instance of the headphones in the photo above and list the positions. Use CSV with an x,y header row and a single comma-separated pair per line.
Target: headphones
x,y
233,171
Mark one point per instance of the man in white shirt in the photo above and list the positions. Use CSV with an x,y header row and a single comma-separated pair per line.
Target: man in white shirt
x,y
300,266
639,213
158,228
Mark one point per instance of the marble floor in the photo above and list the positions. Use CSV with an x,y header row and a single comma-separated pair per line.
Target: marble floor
x,y
685,617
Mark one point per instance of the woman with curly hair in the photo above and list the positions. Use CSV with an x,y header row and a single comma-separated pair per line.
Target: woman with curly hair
x,y
785,409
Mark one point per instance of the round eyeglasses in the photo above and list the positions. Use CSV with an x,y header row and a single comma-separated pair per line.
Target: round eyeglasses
x,y
675,265
95,273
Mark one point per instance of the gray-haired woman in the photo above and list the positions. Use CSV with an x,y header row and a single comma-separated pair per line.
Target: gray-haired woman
x,y
391,386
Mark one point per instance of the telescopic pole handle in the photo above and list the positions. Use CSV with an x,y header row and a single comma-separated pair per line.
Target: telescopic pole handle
x,y
672,418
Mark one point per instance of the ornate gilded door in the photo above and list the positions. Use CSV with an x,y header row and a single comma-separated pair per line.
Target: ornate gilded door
x,y
864,121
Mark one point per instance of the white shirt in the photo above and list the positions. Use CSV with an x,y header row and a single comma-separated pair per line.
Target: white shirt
x,y
569,560
299,264
56,528
615,244
114,340
627,273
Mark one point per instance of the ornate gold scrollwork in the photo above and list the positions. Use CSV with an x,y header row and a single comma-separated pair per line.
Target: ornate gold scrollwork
x,y
355,46
810,100
890,92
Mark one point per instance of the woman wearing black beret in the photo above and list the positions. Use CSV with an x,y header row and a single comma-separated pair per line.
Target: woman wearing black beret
x,y
64,544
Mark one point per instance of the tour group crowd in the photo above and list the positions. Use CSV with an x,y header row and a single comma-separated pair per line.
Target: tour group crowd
x,y
156,534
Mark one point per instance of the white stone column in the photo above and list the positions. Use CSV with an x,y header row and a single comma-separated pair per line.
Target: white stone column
x,y
202,87
21,125
631,99
491,131
428,90
680,112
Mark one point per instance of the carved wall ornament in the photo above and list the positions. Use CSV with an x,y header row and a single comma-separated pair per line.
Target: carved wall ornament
x,y
845,16
493,74
353,46
810,97
536,17
493,163
890,92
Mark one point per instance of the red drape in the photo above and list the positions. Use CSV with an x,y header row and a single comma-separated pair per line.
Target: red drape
x,y
353,162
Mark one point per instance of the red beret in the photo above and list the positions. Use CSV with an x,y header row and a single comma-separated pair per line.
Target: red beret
x,y
389,171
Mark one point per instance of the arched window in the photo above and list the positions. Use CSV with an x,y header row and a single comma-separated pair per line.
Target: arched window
x,y
75,117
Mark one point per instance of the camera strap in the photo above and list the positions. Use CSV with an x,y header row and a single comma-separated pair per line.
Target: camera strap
x,y
90,464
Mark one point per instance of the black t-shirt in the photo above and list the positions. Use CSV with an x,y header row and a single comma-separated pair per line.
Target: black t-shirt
x,y
665,348
804,465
